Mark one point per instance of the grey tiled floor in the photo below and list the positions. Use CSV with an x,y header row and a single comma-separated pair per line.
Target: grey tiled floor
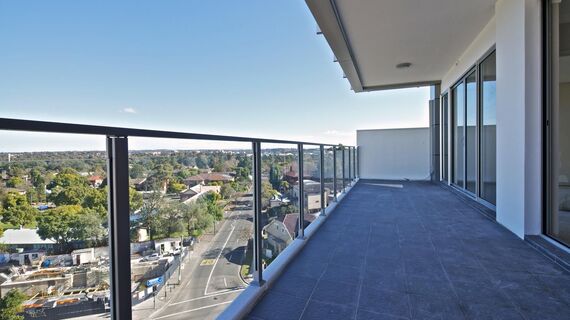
x,y
416,252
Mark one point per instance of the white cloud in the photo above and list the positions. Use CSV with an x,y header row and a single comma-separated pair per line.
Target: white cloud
x,y
129,110
337,133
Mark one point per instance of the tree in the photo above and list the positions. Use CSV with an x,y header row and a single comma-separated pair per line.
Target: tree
x,y
196,218
275,176
242,174
37,178
201,162
245,163
267,193
17,211
11,305
186,173
211,200
16,169
218,166
69,188
175,187
170,216
136,171
135,200
57,223
227,191
96,199
150,209
14,182
87,226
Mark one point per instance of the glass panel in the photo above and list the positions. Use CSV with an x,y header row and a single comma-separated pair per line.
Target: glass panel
x,y
280,199
445,136
329,176
458,95
346,166
191,226
356,162
471,132
54,221
559,213
339,179
311,183
488,130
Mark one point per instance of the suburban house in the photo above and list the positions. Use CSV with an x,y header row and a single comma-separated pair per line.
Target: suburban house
x,y
312,191
194,193
207,178
279,233
26,239
95,181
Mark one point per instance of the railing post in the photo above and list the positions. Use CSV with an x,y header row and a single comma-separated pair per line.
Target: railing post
x,y
349,165
334,173
301,234
322,173
257,227
354,162
343,171
119,212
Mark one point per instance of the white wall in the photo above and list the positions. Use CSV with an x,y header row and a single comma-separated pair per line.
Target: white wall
x,y
394,153
480,45
519,148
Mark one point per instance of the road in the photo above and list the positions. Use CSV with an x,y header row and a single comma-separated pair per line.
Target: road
x,y
211,280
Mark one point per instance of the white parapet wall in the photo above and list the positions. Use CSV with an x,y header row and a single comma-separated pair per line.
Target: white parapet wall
x,y
394,154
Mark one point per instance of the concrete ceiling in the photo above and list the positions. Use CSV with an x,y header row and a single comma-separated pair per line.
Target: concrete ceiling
x,y
370,37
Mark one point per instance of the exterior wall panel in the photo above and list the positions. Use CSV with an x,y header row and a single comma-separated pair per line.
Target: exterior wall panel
x,y
394,154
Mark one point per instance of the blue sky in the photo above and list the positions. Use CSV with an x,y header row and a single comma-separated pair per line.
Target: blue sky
x,y
250,68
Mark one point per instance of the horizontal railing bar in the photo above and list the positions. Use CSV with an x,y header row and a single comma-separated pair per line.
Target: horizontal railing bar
x,y
71,128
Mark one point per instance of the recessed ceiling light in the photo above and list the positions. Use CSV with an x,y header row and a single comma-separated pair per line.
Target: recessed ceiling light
x,y
403,65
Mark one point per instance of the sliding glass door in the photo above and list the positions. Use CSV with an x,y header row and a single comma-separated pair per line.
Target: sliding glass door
x,y
474,131
458,98
557,55
445,137
471,132
488,141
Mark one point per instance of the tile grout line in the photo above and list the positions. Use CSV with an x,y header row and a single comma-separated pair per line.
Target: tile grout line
x,y
362,271
318,281
446,275
496,287
408,298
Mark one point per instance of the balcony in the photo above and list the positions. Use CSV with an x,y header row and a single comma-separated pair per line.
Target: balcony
x,y
151,224
415,250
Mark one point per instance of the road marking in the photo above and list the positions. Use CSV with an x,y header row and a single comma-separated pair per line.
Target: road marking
x,y
208,296
207,262
225,282
192,310
217,259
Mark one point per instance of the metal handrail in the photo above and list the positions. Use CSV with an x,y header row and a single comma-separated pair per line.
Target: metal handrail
x,y
118,181
59,127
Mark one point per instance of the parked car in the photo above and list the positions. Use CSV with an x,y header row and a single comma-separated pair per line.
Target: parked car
x,y
151,257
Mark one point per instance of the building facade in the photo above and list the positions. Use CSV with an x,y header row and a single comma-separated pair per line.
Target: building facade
x,y
499,76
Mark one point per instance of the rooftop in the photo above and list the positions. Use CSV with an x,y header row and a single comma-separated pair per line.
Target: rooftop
x,y
23,237
414,250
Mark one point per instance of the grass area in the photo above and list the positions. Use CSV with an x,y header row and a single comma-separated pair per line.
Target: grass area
x,y
246,262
